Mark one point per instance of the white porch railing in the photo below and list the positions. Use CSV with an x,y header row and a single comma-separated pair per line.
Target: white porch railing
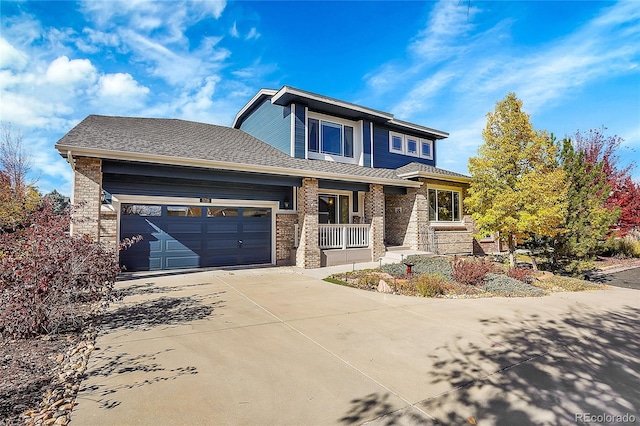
x,y
343,236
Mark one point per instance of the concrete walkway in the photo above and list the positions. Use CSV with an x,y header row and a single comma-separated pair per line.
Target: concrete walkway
x,y
278,346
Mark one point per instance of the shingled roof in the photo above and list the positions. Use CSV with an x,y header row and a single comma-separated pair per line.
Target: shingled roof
x,y
174,141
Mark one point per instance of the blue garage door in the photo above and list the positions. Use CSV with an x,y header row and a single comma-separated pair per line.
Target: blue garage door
x,y
176,237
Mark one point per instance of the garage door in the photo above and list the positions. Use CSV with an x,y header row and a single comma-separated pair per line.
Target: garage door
x,y
176,237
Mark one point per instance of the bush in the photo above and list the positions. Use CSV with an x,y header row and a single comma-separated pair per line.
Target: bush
x,y
524,275
47,277
501,285
471,271
421,265
622,247
430,285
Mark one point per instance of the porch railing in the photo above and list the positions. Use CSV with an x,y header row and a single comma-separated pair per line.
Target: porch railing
x,y
345,236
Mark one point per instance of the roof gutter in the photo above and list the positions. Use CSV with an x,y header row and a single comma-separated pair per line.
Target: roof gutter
x,y
225,165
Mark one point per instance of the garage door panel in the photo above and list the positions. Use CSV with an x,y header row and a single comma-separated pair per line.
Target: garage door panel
x,y
184,246
185,228
222,226
173,242
182,262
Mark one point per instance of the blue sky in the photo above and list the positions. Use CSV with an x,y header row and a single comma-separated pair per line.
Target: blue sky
x,y
441,64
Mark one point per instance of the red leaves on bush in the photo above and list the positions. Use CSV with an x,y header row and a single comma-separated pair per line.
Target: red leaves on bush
x,y
46,275
524,275
471,271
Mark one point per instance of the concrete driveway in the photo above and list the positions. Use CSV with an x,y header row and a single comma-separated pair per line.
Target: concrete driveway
x,y
278,347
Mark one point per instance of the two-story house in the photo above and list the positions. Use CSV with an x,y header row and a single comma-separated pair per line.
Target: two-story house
x,y
299,178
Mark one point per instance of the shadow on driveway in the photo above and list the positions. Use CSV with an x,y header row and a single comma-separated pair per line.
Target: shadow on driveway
x,y
549,372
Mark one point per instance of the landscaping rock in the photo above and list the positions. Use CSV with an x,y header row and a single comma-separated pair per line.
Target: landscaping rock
x,y
383,287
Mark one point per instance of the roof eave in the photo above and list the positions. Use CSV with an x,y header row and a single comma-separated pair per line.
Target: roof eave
x,y
70,151
422,174
237,121
439,134
293,92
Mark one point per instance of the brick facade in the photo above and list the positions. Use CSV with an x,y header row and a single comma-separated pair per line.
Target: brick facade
x,y
308,253
87,193
407,216
109,229
374,212
285,237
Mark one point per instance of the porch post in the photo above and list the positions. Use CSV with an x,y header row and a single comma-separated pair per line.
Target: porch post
x,y
308,253
374,214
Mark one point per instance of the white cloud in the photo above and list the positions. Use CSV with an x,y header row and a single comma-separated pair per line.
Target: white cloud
x,y
234,30
63,71
10,57
253,34
120,86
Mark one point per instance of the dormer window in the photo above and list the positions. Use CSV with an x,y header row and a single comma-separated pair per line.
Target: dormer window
x,y
328,137
410,145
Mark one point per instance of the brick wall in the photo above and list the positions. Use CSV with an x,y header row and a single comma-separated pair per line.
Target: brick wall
x,y
308,253
285,237
374,212
109,229
406,215
87,196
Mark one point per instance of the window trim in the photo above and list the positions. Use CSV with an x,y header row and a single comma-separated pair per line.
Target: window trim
x,y
404,142
391,148
452,190
356,148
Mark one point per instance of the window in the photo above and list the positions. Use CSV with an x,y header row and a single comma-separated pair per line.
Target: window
x,y
410,145
328,137
396,144
426,149
184,211
256,212
141,210
222,212
333,208
444,205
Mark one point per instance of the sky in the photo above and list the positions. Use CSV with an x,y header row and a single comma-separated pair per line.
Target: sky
x,y
441,64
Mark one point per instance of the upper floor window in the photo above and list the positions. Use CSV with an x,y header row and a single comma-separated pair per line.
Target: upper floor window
x,y
327,137
410,145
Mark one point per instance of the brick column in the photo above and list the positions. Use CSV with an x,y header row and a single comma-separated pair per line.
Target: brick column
x,y
374,214
308,253
285,237
87,192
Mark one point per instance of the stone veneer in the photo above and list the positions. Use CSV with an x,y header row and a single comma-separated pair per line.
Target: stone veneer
x,y
308,252
87,193
285,237
374,213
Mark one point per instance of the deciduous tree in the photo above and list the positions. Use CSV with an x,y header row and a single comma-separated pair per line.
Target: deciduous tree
x,y
600,148
18,195
517,188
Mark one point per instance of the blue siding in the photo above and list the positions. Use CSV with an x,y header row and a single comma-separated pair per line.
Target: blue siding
x,y
299,131
271,124
388,160
366,141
